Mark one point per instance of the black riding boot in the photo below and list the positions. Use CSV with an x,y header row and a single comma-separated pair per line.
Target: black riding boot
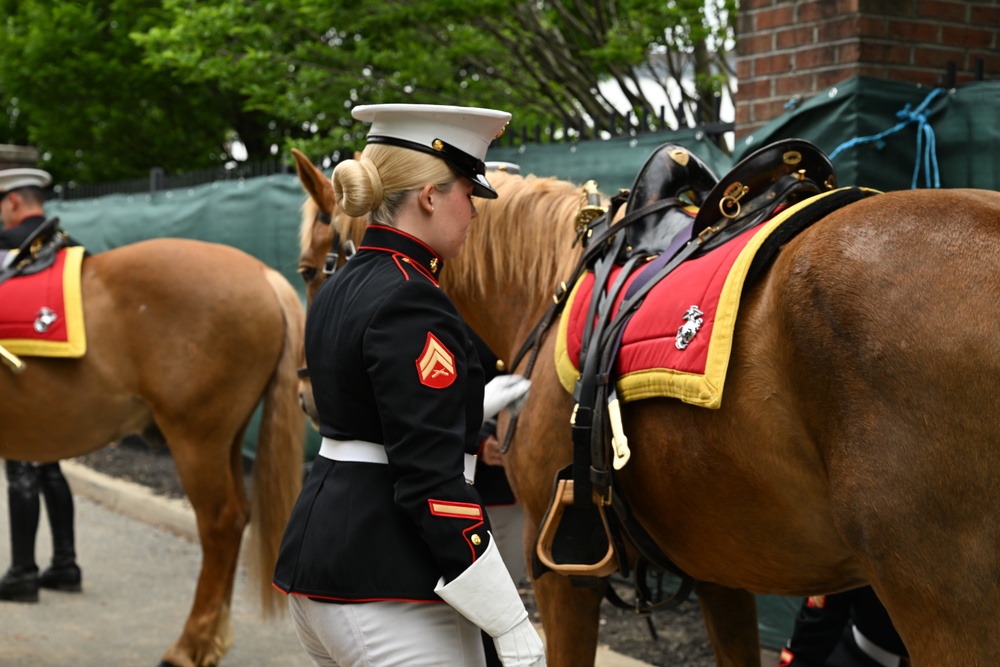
x,y
64,574
20,583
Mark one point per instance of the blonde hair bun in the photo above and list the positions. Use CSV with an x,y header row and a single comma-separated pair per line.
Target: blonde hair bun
x,y
358,186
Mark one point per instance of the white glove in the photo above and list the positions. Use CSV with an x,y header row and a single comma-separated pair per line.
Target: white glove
x,y
505,391
521,647
486,595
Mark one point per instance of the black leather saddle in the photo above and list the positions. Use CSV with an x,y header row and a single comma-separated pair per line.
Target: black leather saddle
x,y
672,183
777,175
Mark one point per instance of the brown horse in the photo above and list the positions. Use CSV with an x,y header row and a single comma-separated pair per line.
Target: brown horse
x,y
858,442
184,338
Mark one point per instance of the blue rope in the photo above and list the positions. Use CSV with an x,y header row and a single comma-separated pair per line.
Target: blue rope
x,y
926,142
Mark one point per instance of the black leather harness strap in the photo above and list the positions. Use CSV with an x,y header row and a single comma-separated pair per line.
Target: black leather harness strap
x,y
595,248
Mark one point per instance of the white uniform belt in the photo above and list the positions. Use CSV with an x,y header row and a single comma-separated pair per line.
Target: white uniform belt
x,y
361,451
874,651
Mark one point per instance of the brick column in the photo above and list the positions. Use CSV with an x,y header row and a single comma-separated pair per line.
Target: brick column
x,y
789,48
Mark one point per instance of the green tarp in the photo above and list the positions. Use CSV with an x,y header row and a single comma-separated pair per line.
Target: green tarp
x,y
613,163
961,123
259,216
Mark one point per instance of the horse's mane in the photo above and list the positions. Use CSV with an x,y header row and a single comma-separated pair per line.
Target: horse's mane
x,y
520,238
523,237
309,211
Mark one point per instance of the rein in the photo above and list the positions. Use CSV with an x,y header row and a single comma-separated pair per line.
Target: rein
x,y
587,223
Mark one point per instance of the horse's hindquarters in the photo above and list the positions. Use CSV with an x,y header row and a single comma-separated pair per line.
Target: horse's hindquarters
x,y
890,308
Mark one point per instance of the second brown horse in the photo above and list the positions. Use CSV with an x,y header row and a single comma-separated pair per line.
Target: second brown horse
x,y
857,442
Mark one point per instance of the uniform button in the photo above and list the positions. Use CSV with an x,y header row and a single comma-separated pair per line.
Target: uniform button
x,y
476,540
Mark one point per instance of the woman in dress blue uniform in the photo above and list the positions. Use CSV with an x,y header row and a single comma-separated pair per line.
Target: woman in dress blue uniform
x,y
388,557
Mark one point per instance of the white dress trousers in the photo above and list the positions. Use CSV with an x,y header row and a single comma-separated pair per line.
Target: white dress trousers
x,y
386,634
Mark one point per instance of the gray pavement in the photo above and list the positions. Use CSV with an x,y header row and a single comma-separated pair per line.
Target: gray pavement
x,y
140,560
138,584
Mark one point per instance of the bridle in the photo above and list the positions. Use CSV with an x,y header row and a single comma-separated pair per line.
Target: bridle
x,y
347,247
330,265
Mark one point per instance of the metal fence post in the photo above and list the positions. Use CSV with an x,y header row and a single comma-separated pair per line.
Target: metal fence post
x,y
155,180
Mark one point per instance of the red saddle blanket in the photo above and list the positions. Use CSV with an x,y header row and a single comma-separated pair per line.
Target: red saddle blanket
x,y
677,343
41,314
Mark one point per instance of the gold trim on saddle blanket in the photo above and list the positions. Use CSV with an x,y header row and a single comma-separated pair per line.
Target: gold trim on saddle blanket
x,y
705,389
75,344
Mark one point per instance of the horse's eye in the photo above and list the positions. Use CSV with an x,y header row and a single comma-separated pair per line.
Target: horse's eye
x,y
307,273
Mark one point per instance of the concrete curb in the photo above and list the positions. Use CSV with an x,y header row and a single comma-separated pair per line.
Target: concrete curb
x,y
176,516
133,500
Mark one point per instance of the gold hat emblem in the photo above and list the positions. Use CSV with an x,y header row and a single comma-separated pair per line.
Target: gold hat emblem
x,y
500,133
437,145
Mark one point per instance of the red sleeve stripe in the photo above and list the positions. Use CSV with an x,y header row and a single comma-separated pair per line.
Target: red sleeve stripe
x,y
455,510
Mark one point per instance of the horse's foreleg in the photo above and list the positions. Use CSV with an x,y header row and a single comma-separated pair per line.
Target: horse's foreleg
x,y
731,620
570,620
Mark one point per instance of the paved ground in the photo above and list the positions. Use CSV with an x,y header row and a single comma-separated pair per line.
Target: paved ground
x,y
138,581
139,563
140,560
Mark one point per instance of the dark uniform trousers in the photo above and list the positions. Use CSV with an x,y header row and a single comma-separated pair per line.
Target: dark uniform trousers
x,y
828,629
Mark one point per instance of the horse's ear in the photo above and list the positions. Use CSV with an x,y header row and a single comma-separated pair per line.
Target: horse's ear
x,y
315,183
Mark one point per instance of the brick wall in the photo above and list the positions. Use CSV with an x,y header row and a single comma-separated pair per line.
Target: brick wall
x,y
789,48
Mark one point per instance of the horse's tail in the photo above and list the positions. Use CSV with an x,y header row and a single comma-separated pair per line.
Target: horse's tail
x,y
277,470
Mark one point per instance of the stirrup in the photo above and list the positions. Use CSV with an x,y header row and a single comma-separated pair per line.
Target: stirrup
x,y
571,540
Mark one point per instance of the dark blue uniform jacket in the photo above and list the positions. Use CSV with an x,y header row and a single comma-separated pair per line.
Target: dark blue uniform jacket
x,y
391,362
11,239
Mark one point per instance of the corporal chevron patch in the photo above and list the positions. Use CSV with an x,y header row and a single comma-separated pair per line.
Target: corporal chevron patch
x,y
436,364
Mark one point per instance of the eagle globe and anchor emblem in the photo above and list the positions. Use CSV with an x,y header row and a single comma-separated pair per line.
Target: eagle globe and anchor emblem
x,y
46,318
688,330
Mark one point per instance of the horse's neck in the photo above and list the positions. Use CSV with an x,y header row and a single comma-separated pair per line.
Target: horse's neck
x,y
505,314
516,254
499,321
